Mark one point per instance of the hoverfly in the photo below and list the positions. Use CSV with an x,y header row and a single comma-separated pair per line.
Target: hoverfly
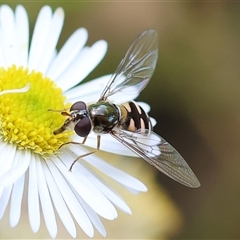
x,y
129,123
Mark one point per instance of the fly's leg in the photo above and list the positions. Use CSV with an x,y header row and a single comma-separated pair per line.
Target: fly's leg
x,y
84,140
56,110
84,155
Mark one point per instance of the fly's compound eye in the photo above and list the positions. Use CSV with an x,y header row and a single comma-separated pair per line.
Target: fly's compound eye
x,y
83,127
78,106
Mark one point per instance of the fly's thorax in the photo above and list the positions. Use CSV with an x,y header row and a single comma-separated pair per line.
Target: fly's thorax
x,y
104,116
134,117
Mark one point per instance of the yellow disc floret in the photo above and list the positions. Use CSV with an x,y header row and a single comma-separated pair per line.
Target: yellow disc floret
x,y
24,117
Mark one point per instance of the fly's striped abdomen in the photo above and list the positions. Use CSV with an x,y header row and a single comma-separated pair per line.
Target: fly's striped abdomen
x,y
136,118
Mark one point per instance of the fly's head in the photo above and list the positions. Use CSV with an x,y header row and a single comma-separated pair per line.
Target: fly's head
x,y
78,120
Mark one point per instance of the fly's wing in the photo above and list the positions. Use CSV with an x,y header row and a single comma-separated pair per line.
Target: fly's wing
x,y
136,68
158,152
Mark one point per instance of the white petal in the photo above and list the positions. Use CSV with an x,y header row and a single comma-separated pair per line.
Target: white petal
x,y
93,217
133,191
5,199
9,35
87,92
146,107
2,59
70,77
33,199
71,201
7,158
16,201
45,200
153,121
79,169
54,55
111,171
18,170
22,32
51,40
59,203
39,37
1,191
68,52
83,65
3,155
3,145
90,194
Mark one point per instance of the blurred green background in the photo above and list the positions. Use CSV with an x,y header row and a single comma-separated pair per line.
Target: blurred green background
x,y
194,96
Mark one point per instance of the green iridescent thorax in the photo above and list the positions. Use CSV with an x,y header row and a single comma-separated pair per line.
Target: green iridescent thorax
x,y
104,116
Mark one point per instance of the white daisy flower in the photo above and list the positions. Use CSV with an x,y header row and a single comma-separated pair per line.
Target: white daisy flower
x,y
33,78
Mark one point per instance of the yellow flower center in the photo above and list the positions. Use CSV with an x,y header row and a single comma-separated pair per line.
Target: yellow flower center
x,y
24,117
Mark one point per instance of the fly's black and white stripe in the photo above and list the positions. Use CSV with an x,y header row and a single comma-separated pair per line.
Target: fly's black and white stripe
x,y
136,118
